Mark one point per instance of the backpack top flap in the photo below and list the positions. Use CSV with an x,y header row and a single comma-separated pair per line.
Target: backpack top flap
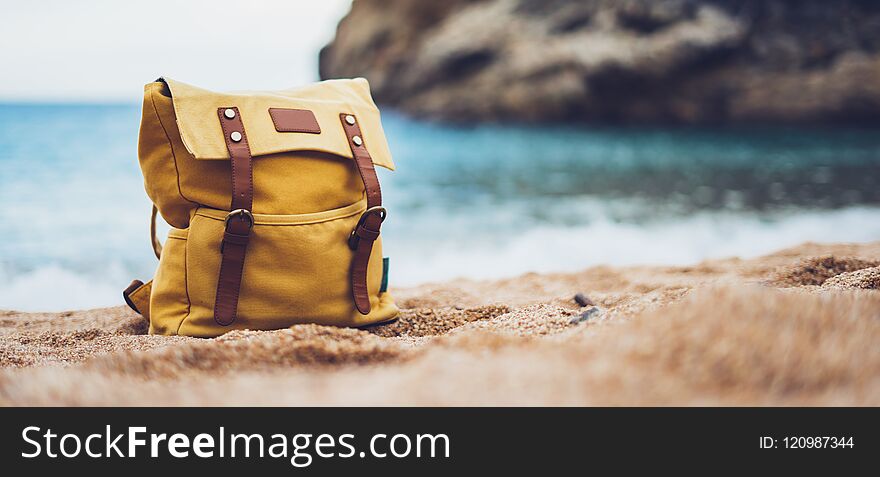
x,y
201,132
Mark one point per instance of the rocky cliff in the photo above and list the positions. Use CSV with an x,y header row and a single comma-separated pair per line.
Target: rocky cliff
x,y
688,61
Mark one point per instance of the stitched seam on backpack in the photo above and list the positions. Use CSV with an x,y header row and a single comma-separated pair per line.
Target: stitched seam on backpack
x,y
170,146
185,282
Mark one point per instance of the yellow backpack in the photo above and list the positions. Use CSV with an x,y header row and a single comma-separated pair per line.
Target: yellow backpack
x,y
274,204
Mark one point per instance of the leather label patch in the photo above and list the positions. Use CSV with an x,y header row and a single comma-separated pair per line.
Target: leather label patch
x,y
294,120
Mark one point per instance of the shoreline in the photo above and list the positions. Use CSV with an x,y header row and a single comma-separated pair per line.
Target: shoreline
x,y
796,327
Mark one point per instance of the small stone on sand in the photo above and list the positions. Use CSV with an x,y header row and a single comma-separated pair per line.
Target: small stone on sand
x,y
590,313
583,300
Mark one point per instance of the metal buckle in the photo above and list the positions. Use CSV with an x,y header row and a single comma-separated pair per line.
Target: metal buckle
x,y
237,213
353,239
240,213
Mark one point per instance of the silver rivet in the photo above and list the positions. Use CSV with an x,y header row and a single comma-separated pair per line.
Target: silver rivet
x,y
235,136
357,140
229,113
349,119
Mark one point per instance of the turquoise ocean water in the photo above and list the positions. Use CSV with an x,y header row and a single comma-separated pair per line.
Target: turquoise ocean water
x,y
477,202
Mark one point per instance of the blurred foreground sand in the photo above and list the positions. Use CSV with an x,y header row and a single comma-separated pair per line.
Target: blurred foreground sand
x,y
799,327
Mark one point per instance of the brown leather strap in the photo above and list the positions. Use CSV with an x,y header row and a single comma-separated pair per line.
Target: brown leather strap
x,y
134,285
240,220
367,229
137,296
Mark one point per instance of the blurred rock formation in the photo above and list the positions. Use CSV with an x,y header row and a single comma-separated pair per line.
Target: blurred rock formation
x,y
641,61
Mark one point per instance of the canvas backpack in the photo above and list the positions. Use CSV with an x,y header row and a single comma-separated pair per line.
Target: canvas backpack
x,y
274,205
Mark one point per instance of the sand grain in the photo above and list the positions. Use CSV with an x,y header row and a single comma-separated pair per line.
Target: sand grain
x,y
798,327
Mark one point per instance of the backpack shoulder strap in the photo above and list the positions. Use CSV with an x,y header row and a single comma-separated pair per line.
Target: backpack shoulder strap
x,y
137,293
137,297
157,245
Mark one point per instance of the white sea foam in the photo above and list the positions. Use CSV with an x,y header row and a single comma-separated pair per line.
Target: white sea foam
x,y
54,288
604,241
539,249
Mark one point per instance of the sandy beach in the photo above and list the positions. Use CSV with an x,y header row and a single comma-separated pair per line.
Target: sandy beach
x,y
797,327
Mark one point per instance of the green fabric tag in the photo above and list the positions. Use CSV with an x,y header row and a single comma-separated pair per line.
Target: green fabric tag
x,y
384,286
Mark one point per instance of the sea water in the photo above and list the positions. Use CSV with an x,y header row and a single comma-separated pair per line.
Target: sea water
x,y
466,202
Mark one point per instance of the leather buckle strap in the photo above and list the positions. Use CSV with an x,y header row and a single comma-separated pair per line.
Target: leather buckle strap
x,y
367,229
238,225
239,222
243,215
361,231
